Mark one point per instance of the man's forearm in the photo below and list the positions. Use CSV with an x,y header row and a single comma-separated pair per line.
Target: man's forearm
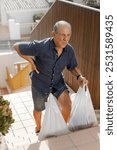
x,y
81,80
76,71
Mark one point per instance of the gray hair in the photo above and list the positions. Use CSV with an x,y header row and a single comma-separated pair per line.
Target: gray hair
x,y
60,24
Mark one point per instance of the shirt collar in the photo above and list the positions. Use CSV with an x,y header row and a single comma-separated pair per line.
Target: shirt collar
x,y
52,45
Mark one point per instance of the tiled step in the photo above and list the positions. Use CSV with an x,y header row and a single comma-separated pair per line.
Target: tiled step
x,y
3,91
22,135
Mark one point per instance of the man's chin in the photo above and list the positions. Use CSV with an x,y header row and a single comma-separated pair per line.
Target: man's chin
x,y
64,45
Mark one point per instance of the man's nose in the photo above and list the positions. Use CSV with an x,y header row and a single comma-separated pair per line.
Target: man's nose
x,y
65,38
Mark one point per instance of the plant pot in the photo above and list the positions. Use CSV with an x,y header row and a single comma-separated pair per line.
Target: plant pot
x,y
3,145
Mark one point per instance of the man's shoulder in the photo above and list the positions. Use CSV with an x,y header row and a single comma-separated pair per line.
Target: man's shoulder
x,y
43,41
69,47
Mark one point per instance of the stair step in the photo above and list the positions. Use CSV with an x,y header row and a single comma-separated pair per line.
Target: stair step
x,y
3,91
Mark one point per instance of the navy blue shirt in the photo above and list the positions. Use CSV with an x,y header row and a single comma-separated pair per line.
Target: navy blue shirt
x,y
48,63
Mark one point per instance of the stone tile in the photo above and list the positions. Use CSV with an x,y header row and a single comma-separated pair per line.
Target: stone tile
x,y
90,146
81,137
20,132
17,125
19,148
60,143
73,148
13,96
16,142
95,132
26,99
23,94
33,146
6,97
28,122
25,116
28,103
22,110
22,135
14,111
17,106
33,138
16,117
8,137
31,129
44,145
16,101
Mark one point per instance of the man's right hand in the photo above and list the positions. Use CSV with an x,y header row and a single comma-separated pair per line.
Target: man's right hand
x,y
34,68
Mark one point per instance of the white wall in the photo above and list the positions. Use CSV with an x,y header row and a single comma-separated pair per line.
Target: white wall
x,y
23,17
7,59
14,30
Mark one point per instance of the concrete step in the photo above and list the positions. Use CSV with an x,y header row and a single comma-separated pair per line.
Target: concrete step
x,y
3,91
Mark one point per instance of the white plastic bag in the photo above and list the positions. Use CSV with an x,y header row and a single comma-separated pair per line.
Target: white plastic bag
x,y
53,122
82,113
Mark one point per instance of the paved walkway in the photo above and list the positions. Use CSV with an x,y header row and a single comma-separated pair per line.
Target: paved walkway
x,y
22,136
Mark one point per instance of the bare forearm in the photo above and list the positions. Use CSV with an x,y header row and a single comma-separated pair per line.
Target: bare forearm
x,y
76,71
28,58
81,80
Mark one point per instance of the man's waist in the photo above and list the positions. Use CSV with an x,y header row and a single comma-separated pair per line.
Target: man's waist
x,y
47,79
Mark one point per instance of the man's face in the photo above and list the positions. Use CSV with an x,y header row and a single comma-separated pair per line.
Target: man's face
x,y
62,37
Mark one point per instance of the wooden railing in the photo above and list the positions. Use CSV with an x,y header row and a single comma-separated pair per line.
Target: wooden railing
x,y
19,66
20,80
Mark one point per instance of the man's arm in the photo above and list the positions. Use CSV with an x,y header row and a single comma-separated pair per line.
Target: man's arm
x,y
75,71
28,58
81,80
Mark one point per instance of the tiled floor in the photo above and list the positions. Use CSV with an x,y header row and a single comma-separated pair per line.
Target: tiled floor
x,y
22,131
22,136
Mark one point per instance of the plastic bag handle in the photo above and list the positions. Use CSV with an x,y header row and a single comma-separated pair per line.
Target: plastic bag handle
x,y
85,86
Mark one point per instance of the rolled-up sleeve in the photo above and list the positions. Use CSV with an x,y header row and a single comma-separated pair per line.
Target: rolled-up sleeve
x,y
72,60
29,48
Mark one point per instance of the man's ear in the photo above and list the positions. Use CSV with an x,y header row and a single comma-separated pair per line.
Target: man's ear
x,y
52,33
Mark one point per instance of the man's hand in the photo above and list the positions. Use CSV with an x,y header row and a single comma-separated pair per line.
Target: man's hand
x,y
28,58
34,68
82,81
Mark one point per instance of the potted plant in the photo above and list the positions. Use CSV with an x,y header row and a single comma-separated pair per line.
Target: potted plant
x,y
38,16
92,3
6,119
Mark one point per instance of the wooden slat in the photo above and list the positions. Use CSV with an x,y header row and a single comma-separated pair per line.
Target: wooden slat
x,y
20,80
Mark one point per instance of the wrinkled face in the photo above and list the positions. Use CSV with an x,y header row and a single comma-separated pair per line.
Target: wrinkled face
x,y
62,36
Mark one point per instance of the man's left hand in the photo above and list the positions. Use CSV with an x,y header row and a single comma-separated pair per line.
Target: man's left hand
x,y
82,81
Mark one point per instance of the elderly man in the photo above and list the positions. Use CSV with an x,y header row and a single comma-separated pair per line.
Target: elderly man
x,y
51,56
